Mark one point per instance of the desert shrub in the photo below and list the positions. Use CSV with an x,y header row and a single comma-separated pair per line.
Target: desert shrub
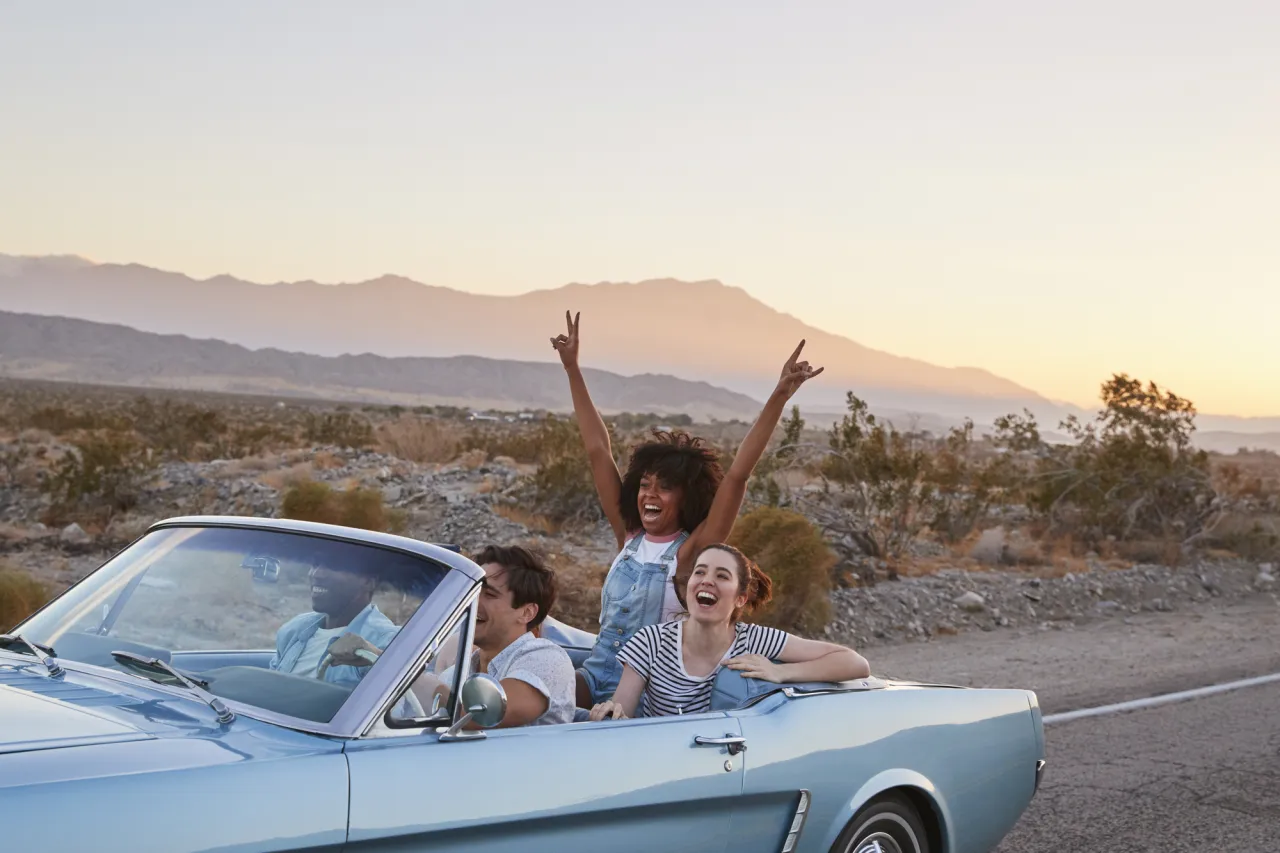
x,y
562,487
418,439
12,458
309,500
793,553
561,490
20,595
1132,473
62,420
341,429
522,443
1252,535
101,474
763,488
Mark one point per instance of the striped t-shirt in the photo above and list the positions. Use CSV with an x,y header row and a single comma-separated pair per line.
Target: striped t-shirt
x,y
655,653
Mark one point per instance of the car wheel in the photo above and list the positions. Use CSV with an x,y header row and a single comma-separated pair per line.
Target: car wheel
x,y
887,824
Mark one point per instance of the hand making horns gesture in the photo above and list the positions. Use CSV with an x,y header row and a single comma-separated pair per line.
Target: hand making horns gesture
x,y
794,373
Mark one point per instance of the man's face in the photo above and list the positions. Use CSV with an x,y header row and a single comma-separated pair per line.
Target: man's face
x,y
333,592
497,622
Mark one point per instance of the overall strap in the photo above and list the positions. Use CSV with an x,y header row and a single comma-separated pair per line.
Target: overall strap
x,y
674,548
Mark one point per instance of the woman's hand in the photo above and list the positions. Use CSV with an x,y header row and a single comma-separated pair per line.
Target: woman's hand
x,y
794,373
567,344
608,710
756,666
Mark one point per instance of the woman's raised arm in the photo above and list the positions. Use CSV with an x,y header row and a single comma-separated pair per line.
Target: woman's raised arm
x,y
733,489
595,435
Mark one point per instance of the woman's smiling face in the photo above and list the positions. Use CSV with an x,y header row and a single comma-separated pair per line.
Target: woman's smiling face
x,y
713,593
659,506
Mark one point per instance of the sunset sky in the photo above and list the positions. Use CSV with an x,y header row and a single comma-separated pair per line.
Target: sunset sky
x,y
1050,193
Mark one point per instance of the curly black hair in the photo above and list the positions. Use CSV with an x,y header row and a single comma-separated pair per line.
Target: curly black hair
x,y
679,461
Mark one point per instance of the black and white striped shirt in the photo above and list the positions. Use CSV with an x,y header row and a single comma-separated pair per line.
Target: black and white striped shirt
x,y
656,653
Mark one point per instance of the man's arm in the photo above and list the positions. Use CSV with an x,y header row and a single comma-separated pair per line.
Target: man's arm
x,y
525,703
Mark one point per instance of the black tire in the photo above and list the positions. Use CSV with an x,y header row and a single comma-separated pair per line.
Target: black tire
x,y
889,819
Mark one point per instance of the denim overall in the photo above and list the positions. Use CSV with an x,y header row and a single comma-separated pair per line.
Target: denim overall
x,y
631,598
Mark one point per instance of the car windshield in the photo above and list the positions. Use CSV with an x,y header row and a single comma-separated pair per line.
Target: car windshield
x,y
289,622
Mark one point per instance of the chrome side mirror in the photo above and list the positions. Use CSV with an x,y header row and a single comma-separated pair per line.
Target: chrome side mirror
x,y
485,704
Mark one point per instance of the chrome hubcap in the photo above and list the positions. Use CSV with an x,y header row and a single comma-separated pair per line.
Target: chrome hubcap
x,y
878,842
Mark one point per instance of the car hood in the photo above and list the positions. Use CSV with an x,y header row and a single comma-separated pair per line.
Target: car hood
x,y
34,720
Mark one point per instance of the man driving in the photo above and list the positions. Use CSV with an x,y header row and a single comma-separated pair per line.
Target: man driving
x,y
344,623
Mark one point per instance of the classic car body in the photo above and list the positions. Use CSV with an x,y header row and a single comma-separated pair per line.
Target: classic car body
x,y
118,741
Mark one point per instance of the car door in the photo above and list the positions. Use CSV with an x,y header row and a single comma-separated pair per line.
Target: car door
x,y
629,785
805,757
619,786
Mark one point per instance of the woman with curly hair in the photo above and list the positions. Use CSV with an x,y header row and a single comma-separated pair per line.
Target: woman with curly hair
x,y
670,668
673,500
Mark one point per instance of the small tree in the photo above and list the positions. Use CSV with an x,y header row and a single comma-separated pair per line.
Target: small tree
x,y
1133,471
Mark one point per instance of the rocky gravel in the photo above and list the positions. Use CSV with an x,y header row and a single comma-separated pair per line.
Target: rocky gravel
x,y
954,600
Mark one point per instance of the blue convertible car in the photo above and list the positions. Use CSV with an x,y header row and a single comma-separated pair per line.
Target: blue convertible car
x,y
178,699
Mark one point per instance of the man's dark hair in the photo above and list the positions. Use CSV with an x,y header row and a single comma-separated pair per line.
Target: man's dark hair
x,y
679,461
528,578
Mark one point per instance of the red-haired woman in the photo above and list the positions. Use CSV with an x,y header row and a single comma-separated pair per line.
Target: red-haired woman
x,y
673,500
670,668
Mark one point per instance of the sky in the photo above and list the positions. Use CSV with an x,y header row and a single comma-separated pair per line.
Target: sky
x,y
1052,193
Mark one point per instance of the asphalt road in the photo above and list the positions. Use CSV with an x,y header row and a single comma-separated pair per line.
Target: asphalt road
x,y
1197,775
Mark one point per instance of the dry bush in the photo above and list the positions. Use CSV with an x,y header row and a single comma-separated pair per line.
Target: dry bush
x,y
251,465
996,546
473,458
578,589
338,428
788,547
101,475
1252,535
418,440
20,596
284,478
531,520
356,507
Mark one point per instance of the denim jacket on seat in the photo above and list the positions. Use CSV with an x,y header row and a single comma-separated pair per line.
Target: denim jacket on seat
x,y
630,599
293,635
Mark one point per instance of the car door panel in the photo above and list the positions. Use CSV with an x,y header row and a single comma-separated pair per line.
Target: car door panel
x,y
617,786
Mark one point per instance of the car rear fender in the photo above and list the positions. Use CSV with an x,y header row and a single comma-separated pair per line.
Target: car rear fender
x,y
887,780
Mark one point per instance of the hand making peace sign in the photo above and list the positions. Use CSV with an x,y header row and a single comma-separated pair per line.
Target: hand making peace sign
x,y
567,344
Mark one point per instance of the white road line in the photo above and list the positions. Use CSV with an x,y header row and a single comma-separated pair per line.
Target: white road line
x,y
1163,699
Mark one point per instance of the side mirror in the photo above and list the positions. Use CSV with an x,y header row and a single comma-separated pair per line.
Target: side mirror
x,y
485,704
265,569
484,700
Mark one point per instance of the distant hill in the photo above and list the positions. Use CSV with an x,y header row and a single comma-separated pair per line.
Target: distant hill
x,y
705,330
58,348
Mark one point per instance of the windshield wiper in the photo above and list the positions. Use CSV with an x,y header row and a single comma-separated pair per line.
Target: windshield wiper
x,y
42,652
151,667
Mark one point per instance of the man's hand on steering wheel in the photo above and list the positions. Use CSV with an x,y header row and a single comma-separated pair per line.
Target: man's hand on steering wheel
x,y
353,650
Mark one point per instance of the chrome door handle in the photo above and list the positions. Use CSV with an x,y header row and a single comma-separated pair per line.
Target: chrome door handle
x,y
735,743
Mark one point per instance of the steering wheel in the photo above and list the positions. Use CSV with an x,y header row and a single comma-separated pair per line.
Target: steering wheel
x,y
415,707
327,659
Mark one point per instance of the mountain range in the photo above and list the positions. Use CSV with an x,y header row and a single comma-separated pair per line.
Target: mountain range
x,y
704,348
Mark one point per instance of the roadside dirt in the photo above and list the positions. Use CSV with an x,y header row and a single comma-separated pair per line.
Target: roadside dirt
x,y
1106,661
